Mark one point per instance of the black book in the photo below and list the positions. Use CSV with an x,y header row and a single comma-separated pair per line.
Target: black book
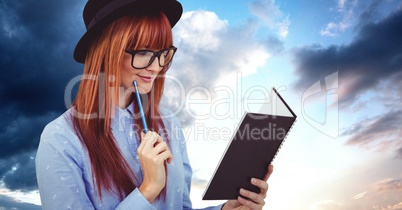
x,y
253,147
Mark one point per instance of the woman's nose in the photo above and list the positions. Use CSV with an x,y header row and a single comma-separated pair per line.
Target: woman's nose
x,y
154,66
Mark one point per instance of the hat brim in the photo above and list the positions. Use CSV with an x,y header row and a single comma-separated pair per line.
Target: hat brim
x,y
172,9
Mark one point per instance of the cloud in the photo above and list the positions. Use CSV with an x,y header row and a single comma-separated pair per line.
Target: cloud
x,y
370,72
21,132
384,194
360,195
374,56
271,15
399,151
371,14
36,45
332,29
209,49
9,203
397,206
197,182
195,22
388,184
346,12
326,205
341,4
381,130
18,172
273,45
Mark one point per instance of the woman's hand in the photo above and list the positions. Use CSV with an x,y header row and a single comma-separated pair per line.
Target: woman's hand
x,y
153,152
256,201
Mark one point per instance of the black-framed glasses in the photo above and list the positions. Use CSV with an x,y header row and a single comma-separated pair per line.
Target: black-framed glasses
x,y
143,58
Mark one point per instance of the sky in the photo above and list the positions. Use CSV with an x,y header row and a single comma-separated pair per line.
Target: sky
x,y
338,64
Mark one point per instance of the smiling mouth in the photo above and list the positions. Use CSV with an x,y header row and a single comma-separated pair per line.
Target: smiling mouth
x,y
145,78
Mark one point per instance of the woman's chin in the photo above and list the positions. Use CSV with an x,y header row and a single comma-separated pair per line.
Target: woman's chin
x,y
145,90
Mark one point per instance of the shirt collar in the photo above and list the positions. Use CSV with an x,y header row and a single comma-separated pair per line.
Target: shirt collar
x,y
120,113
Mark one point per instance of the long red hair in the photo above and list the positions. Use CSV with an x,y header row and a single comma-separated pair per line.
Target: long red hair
x,y
93,107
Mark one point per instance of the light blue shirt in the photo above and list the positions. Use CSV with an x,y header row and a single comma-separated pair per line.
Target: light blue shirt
x,y
64,171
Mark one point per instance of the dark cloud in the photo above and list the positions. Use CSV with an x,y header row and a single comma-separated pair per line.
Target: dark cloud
x,y
388,184
36,45
371,62
9,203
273,45
371,14
37,39
399,151
373,56
381,129
21,133
18,172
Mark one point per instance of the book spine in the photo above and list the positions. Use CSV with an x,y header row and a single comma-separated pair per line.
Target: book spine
x,y
283,140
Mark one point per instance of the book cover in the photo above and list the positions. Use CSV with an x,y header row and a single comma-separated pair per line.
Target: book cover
x,y
253,147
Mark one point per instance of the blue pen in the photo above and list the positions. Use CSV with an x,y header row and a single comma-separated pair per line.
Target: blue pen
x,y
137,93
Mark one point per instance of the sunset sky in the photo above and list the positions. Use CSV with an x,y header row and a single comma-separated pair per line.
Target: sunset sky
x,y
338,64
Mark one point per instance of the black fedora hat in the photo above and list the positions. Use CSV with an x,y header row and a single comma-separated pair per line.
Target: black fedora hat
x,y
100,13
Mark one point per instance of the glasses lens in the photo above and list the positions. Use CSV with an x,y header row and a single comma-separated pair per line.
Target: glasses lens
x,y
142,58
166,57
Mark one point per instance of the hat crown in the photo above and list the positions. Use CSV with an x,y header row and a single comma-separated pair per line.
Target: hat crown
x,y
91,8
96,10
98,14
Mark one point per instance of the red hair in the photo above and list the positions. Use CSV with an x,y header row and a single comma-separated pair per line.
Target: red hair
x,y
94,104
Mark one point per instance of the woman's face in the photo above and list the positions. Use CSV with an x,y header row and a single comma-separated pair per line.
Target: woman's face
x,y
145,77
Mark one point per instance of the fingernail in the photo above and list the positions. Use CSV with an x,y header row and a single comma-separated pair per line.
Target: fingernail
x,y
242,191
147,135
253,180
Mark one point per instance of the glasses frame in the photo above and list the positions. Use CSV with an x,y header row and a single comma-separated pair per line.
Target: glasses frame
x,y
155,54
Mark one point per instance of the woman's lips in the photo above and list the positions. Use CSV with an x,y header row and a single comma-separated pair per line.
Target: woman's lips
x,y
146,79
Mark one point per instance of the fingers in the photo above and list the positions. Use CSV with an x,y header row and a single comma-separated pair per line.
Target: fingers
x,y
253,197
153,146
256,200
269,172
263,185
162,150
249,204
263,190
149,140
153,152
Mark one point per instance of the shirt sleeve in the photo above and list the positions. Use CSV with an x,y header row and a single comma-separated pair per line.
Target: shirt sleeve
x,y
135,200
187,172
58,172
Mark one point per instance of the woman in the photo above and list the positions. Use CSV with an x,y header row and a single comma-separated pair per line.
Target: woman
x,y
95,156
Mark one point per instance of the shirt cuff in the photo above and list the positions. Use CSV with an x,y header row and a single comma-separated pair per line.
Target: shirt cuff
x,y
135,200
